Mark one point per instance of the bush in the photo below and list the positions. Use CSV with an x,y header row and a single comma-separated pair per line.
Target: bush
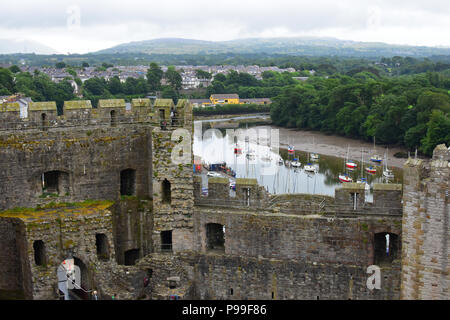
x,y
231,109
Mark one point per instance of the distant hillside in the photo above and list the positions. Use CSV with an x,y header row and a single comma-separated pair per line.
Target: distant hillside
x,y
295,46
8,46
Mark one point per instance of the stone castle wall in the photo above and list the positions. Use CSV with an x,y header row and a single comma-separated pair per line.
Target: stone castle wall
x,y
250,246
173,187
44,115
89,162
425,268
242,278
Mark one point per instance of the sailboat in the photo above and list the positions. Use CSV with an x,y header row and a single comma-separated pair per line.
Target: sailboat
x,y
387,173
251,155
350,164
309,167
343,177
363,179
314,156
371,170
295,163
375,157
280,160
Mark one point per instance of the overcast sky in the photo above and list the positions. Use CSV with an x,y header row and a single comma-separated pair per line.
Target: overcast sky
x,y
80,26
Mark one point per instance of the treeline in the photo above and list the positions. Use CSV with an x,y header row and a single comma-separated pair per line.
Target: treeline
x,y
37,86
231,109
406,110
247,86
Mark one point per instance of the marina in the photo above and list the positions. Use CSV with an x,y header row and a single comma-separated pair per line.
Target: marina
x,y
289,170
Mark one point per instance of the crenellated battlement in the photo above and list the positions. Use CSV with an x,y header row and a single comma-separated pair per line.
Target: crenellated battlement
x,y
349,199
44,115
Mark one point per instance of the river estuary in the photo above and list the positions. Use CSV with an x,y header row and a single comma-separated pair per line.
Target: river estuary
x,y
265,165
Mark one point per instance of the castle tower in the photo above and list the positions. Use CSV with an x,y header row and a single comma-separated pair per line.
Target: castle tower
x,y
173,184
426,229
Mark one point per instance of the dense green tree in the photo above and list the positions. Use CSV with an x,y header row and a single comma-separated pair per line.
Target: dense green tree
x,y
114,85
168,92
154,76
142,87
72,72
202,74
404,110
60,65
220,77
95,86
173,77
14,69
6,79
438,132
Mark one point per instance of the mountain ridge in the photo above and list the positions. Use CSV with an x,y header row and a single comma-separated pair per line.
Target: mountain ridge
x,y
12,46
280,45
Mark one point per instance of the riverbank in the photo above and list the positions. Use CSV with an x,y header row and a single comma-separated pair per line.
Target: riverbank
x,y
314,141
232,116
318,142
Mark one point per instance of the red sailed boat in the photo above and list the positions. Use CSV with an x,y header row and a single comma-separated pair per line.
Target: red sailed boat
x,y
351,165
371,170
345,178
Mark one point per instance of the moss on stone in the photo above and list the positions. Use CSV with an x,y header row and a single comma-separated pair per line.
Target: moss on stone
x,y
218,180
387,187
58,209
77,104
42,106
245,181
111,103
139,103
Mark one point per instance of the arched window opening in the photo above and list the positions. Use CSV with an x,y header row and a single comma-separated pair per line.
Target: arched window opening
x,y
131,256
101,243
166,191
385,248
113,117
215,237
44,121
128,182
55,182
166,240
162,118
39,253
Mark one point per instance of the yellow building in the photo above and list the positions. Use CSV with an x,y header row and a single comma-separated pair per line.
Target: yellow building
x,y
232,98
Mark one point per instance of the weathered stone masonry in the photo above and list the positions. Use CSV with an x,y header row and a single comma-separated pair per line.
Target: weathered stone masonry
x,y
149,219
